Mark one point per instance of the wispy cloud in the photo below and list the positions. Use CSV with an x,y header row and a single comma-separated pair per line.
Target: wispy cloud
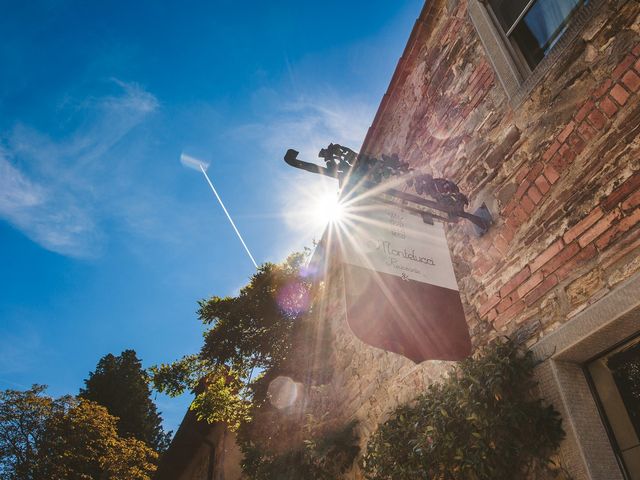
x,y
310,123
52,218
53,189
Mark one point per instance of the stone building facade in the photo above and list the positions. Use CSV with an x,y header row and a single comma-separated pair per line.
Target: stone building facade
x,y
554,152
200,451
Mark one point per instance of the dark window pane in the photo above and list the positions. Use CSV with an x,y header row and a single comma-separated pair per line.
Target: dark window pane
x,y
616,380
625,367
541,27
527,45
507,11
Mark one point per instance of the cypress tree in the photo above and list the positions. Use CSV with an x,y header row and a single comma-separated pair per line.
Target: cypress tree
x,y
120,384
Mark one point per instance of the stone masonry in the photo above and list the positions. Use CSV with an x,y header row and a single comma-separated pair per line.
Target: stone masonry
x,y
559,169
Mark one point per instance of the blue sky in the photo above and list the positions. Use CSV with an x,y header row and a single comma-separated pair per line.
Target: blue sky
x,y
106,241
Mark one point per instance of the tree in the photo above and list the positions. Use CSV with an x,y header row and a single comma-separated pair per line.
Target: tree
x,y
65,438
251,332
266,328
121,385
22,419
254,329
80,440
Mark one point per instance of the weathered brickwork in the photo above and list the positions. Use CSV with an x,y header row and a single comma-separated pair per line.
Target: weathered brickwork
x,y
560,172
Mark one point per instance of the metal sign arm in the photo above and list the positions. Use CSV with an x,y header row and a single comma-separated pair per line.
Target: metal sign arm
x,y
291,157
349,167
481,218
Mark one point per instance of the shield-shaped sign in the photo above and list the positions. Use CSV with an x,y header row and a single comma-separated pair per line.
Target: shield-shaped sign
x,y
401,291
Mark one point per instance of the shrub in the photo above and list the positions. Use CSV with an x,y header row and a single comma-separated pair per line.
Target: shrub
x,y
481,422
324,457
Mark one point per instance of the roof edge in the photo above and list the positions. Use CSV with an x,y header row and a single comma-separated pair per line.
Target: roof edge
x,y
409,53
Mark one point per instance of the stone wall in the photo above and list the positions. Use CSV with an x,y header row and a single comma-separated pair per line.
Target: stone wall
x,y
559,170
366,382
201,451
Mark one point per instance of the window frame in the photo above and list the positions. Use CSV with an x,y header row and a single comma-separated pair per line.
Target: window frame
x,y
516,55
608,323
514,74
601,410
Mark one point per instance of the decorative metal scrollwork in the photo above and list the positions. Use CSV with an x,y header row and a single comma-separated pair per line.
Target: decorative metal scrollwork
x,y
355,170
348,164
442,190
338,158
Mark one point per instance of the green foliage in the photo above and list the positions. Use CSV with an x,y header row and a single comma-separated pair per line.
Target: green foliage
x,y
174,378
255,332
219,401
81,441
65,438
325,457
481,423
22,419
253,329
248,333
120,384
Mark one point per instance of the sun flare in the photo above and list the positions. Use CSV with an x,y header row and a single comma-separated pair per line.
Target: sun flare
x,y
328,209
309,208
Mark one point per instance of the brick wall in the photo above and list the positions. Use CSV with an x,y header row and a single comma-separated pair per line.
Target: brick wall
x,y
560,172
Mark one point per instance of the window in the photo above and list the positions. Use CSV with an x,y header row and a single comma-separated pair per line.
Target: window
x,y
568,358
532,27
615,377
524,37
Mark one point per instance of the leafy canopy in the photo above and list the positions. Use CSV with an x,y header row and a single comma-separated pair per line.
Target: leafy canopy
x,y
481,423
120,384
256,331
23,416
42,437
248,333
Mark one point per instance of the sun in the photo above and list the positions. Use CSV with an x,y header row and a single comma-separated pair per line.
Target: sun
x,y
328,209
310,207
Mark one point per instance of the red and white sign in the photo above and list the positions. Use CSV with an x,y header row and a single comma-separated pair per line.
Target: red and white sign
x,y
401,291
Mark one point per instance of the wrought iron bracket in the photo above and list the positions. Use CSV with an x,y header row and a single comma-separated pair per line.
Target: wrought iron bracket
x,y
355,171
291,157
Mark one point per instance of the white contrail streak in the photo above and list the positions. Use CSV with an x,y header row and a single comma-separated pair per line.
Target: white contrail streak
x,y
191,162
204,172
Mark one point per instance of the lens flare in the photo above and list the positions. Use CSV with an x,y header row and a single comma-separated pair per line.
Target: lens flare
x,y
283,392
312,205
293,299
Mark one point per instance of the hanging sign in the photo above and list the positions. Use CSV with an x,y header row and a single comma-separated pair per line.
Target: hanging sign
x,y
401,291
